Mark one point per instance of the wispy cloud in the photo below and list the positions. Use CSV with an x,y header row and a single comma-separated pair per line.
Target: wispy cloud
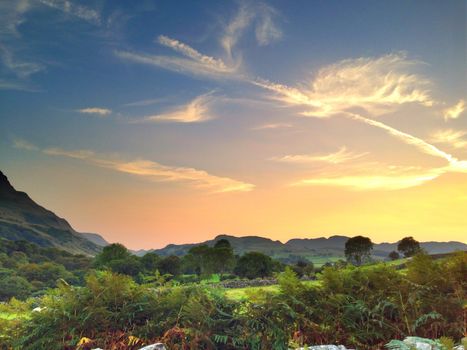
x,y
455,111
230,66
197,110
376,85
148,169
390,181
181,65
259,15
454,138
25,145
272,126
340,156
147,102
79,11
267,30
97,111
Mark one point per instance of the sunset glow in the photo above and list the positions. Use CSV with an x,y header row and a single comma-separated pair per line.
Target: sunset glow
x,y
278,119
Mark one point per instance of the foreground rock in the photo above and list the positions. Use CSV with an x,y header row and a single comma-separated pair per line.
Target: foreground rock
x,y
417,343
156,346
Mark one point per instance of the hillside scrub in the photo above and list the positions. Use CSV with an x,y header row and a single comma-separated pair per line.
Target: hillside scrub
x,y
361,307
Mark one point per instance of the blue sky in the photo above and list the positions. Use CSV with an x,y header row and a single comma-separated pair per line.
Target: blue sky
x,y
252,101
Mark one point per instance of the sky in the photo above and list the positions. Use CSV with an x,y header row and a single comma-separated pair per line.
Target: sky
x,y
157,122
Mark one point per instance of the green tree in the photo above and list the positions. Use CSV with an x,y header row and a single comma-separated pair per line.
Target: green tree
x,y
170,265
115,251
14,286
253,265
358,249
222,257
408,246
149,262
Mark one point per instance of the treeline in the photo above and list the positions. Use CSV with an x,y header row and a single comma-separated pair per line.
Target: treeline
x,y
360,307
28,270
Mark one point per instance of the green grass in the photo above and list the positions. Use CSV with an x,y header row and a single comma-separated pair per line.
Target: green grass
x,y
242,293
8,316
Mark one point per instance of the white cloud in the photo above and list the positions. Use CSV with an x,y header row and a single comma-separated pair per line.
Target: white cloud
x,y
182,65
374,182
455,111
75,10
340,156
454,138
273,126
195,111
100,112
267,30
234,29
148,169
376,85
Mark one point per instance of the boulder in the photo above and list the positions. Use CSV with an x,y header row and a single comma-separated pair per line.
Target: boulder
x,y
325,347
156,346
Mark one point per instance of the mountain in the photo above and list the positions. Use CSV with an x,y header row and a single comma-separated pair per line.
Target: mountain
x,y
94,238
310,248
23,219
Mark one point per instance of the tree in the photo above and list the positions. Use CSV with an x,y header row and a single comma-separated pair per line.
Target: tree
x,y
150,261
253,265
14,286
358,249
170,265
115,251
222,257
303,268
408,246
394,255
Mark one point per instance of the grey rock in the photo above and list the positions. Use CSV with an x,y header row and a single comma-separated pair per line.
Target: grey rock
x,y
156,346
325,347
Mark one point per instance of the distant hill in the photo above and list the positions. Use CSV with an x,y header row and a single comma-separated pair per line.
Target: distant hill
x,y
23,219
295,249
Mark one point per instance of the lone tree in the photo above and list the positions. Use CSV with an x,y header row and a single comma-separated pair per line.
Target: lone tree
x,y
394,255
408,246
253,265
358,249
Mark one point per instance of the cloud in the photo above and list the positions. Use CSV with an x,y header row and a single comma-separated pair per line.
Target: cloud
x,y
24,145
75,10
196,63
455,111
373,86
450,137
273,126
375,182
148,169
261,15
195,111
376,85
267,30
184,49
340,156
100,112
182,65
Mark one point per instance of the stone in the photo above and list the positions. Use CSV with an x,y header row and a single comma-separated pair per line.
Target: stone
x,y
156,346
325,347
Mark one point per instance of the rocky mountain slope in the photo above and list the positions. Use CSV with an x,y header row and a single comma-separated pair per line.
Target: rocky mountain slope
x,y
23,219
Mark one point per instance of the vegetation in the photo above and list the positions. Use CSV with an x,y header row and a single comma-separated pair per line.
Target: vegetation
x,y
122,301
358,249
408,246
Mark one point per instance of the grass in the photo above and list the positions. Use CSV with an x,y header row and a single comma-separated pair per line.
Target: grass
x,y
242,293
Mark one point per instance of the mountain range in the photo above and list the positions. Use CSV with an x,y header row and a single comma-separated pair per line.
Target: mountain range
x,y
294,249
23,219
